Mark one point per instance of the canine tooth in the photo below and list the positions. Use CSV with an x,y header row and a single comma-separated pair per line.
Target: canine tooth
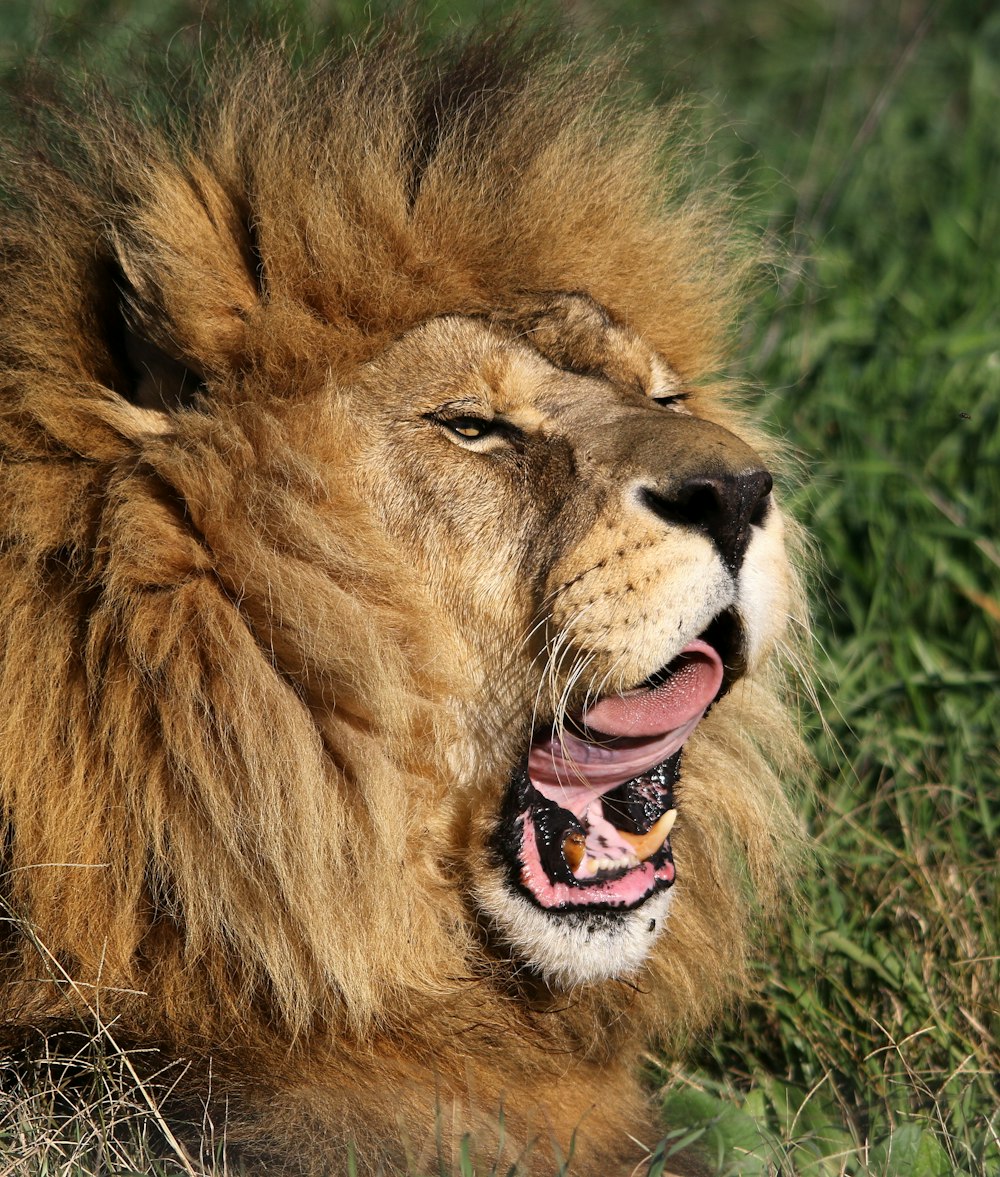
x,y
645,845
574,849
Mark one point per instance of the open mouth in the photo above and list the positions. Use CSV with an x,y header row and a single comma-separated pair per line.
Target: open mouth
x,y
587,822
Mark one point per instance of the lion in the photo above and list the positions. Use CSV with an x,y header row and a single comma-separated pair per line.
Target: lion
x,y
396,602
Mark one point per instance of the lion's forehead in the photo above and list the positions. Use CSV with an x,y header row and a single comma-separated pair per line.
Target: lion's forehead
x,y
513,358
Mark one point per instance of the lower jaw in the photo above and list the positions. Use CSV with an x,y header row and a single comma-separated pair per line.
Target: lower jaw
x,y
556,891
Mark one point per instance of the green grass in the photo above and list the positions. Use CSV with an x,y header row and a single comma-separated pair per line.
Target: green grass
x,y
864,139
883,353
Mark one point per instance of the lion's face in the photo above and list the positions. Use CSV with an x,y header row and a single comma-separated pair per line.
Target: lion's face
x,y
614,562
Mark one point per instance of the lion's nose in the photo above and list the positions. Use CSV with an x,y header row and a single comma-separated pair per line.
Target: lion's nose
x,y
725,506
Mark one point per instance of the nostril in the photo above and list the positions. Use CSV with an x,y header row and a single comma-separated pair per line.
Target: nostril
x,y
763,508
691,504
759,486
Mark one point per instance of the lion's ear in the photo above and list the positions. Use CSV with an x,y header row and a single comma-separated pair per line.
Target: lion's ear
x,y
187,282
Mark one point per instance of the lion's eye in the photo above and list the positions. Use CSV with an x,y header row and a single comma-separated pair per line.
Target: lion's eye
x,y
470,427
482,434
677,398
475,429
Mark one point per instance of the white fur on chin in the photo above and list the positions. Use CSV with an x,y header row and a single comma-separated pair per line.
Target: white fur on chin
x,y
576,948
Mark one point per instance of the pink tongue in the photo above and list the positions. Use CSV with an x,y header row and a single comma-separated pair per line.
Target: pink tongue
x,y
687,692
650,723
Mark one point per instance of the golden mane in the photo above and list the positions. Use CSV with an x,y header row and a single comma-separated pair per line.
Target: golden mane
x,y
223,719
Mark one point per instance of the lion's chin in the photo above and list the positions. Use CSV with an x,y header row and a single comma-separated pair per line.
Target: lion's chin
x,y
575,947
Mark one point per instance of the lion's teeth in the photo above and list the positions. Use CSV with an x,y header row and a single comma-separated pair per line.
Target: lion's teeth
x,y
646,845
586,867
627,862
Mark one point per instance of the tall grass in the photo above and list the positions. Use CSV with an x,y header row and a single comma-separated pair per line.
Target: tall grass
x,y
865,137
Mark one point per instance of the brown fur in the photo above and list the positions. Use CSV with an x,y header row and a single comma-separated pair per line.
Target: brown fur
x,y
254,731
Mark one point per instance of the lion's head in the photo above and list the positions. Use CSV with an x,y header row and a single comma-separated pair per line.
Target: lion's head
x,y
391,591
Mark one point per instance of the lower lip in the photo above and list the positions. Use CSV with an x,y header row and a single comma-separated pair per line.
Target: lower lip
x,y
624,892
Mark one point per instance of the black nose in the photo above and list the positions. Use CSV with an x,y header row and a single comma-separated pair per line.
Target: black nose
x,y
725,506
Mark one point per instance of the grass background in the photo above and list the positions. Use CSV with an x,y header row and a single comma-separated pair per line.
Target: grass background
x,y
864,139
